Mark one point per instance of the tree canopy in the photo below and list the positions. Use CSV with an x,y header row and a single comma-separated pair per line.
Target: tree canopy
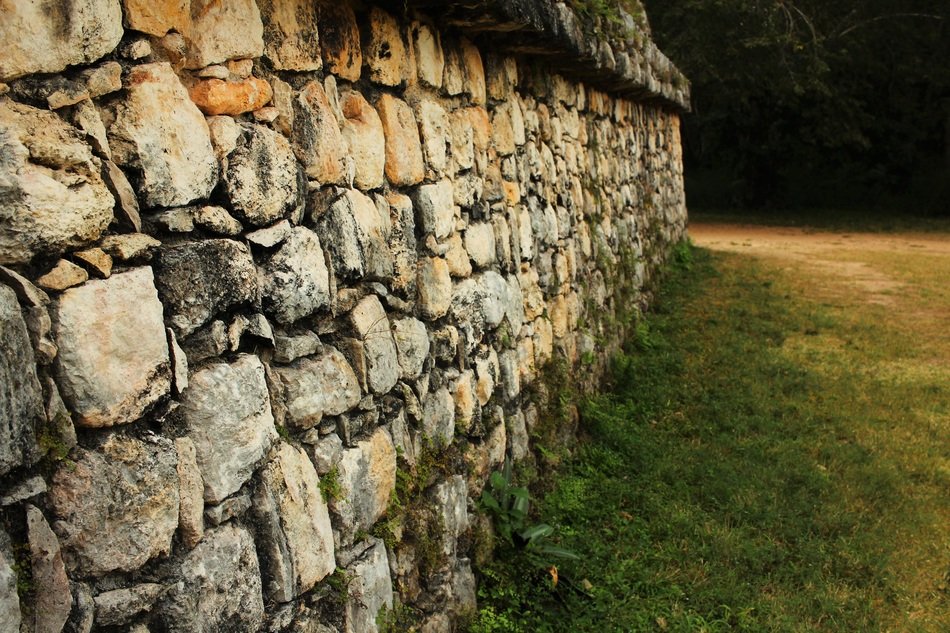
x,y
810,102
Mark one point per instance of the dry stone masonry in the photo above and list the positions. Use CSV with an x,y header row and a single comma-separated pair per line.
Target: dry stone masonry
x,y
279,281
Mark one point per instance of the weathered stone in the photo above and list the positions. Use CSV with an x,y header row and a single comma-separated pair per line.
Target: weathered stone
x,y
157,17
372,326
363,132
220,588
158,132
198,280
290,34
402,244
451,502
23,490
49,580
474,72
216,96
228,509
85,116
223,29
113,356
517,436
270,236
228,416
438,417
486,370
316,137
63,275
291,347
102,80
412,345
457,257
430,61
127,203
404,164
293,524
368,591
501,76
191,493
465,400
119,606
315,387
480,244
504,135
461,139
10,615
453,72
435,212
131,247
510,373
217,220
385,52
434,128
327,453
46,39
357,234
176,220
217,71
224,132
117,505
295,279
262,179
96,261
435,288
53,197
367,476
340,40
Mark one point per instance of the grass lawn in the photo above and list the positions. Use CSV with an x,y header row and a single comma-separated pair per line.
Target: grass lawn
x,y
772,454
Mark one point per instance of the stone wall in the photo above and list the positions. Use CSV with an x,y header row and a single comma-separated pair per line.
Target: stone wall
x,y
278,281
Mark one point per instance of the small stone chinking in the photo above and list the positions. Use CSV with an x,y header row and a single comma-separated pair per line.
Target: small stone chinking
x,y
267,268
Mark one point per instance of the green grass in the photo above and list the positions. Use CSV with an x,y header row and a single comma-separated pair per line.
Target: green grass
x,y
754,466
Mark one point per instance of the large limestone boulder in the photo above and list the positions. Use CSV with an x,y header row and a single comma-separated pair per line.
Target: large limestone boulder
x,y
21,396
294,525
295,279
367,476
220,588
226,410
156,131
116,505
315,387
47,37
197,280
52,197
262,181
113,360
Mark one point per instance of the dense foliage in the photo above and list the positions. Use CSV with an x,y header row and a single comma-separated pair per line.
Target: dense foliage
x,y
810,102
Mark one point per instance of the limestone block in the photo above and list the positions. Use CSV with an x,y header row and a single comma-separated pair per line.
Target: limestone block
x,y
130,247
404,164
402,243
340,40
514,310
434,285
270,236
480,244
367,476
295,280
461,139
510,373
517,436
412,346
217,220
363,132
218,97
467,190
369,590
430,62
434,128
481,126
293,525
223,29
371,324
291,40
96,260
450,499
262,181
198,280
474,72
157,17
53,197
457,257
53,600
453,72
10,615
465,400
385,53
190,493
481,301
504,135
85,116
157,131
220,588
120,606
63,275
357,233
113,361
316,136
291,347
438,417
486,372
116,505
39,38
227,413
501,76
435,211
315,387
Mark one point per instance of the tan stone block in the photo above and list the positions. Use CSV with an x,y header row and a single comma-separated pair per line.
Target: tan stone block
x,y
457,257
474,72
512,192
501,76
435,287
223,29
365,137
404,164
291,40
63,275
385,54
157,17
96,260
430,62
214,96
434,128
481,127
340,40
316,137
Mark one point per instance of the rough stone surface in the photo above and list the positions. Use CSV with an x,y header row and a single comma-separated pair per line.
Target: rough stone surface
x,y
261,181
412,346
53,598
96,261
430,61
295,524
113,358
315,387
220,588
372,326
10,615
52,197
131,247
190,493
435,287
157,17
217,220
227,413
216,96
21,397
367,476
119,606
290,348
198,280
295,279
36,38
385,52
357,232
223,29
340,40
116,505
363,132
157,132
433,127
316,137
404,164
435,211
291,41
480,244
438,417
369,590
63,275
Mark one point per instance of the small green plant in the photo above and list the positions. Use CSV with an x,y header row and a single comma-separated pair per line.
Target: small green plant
x,y
330,486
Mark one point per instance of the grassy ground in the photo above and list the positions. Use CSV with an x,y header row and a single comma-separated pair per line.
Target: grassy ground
x,y
773,455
